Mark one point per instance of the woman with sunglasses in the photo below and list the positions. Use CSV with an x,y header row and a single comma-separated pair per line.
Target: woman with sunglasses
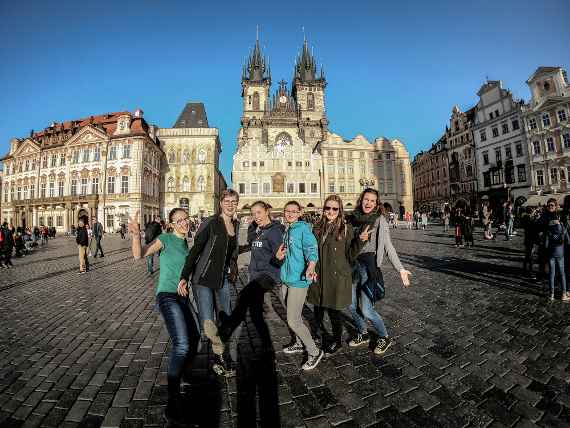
x,y
338,248
172,301
368,268
212,264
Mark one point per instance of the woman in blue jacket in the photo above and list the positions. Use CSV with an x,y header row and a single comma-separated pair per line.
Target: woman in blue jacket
x,y
300,254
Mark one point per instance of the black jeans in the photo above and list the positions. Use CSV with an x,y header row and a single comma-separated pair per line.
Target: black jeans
x,y
336,322
527,263
250,297
183,332
99,248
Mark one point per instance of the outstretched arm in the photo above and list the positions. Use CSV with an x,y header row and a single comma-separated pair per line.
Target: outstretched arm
x,y
138,250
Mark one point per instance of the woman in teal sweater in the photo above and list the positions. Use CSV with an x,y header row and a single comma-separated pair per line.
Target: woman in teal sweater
x,y
300,253
172,301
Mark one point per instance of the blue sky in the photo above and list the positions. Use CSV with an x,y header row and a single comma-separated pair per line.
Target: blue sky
x,y
394,69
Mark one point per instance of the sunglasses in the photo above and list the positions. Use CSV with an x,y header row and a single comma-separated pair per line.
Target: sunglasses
x,y
335,209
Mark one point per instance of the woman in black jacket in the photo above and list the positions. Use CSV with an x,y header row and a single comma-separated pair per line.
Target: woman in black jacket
x,y
212,264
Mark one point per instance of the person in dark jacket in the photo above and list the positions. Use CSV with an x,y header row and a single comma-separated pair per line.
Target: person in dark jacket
x,y
212,263
82,240
7,245
468,229
338,249
151,232
555,238
264,237
459,226
97,235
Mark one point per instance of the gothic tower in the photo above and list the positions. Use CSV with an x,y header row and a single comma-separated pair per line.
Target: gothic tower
x,y
255,83
309,94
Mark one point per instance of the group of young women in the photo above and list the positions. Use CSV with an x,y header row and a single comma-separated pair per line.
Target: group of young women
x,y
333,266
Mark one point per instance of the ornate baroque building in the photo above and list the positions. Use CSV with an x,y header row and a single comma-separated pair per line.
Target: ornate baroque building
x,y
191,175
500,146
275,158
351,166
547,124
461,153
104,166
431,177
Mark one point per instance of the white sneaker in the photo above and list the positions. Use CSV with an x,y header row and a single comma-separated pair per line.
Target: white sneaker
x,y
313,361
296,348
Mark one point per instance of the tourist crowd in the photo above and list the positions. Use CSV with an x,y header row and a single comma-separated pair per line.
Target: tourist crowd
x,y
21,241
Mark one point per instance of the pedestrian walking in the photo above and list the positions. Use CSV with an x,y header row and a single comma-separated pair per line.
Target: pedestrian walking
x,y
332,292
152,230
530,239
97,235
212,263
468,225
7,245
172,302
424,220
556,237
459,225
82,240
446,216
368,212
299,253
264,238
123,230
509,221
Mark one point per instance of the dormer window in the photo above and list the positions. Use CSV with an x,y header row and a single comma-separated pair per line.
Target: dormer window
x,y
546,86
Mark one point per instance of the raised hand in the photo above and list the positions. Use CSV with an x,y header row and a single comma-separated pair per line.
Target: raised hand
x,y
134,226
365,234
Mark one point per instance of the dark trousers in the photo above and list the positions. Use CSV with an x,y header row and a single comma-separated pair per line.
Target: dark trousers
x,y
250,297
458,239
183,333
99,248
336,322
7,256
527,263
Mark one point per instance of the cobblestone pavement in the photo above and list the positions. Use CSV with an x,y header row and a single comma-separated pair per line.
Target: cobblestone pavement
x,y
475,345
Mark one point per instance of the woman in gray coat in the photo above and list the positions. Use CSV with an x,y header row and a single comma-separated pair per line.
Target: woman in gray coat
x,y
368,267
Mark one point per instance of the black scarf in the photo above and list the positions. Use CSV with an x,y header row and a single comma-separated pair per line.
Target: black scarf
x,y
360,220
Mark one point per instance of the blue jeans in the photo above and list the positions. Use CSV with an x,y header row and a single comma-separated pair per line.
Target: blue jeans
x,y
182,329
363,303
208,298
150,263
552,263
509,230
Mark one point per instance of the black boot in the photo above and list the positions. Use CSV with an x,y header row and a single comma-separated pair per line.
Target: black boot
x,y
174,408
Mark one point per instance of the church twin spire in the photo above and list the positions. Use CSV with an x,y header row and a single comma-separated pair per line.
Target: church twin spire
x,y
257,68
306,66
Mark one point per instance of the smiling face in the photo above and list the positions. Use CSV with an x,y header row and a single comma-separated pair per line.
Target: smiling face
x,y
369,202
292,213
260,214
180,222
229,205
331,210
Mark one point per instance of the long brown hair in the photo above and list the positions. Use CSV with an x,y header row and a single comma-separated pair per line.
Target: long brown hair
x,y
339,223
379,207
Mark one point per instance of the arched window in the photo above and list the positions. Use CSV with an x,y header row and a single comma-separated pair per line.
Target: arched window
x,y
202,156
170,185
201,184
310,101
171,156
256,101
186,157
185,184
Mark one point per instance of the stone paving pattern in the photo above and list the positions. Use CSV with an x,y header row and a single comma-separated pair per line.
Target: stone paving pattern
x,y
476,345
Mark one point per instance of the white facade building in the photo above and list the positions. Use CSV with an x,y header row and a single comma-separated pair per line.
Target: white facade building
x,y
500,146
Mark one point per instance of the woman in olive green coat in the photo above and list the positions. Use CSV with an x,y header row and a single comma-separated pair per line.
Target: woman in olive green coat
x,y
338,248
